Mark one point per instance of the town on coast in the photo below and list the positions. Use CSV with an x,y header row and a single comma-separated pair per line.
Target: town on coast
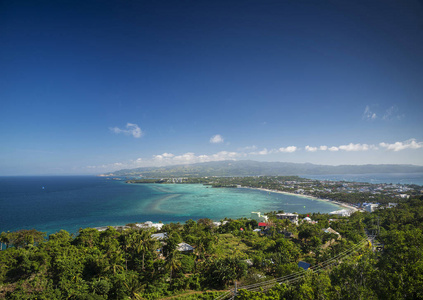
x,y
353,196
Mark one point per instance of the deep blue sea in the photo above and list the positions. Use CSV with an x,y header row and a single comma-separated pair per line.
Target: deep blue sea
x,y
72,202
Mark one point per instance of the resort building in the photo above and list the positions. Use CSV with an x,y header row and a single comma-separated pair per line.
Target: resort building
x,y
370,207
289,216
258,217
342,213
150,224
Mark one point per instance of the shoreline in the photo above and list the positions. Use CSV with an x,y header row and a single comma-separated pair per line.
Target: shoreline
x,y
344,205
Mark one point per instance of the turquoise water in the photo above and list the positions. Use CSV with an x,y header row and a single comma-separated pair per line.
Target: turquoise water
x,y
197,201
72,202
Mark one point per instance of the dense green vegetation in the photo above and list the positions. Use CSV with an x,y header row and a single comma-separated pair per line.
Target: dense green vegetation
x,y
126,264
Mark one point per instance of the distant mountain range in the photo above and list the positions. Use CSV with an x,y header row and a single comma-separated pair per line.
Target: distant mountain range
x,y
254,168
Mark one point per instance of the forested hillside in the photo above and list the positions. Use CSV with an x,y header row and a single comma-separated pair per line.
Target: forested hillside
x,y
254,168
131,264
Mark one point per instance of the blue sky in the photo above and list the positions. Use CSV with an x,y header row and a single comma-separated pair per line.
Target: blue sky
x,y
88,87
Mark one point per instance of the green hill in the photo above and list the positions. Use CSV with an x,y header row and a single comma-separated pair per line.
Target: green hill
x,y
255,168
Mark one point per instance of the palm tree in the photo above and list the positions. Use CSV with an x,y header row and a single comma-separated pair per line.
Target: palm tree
x,y
144,243
199,248
115,260
4,239
128,239
173,263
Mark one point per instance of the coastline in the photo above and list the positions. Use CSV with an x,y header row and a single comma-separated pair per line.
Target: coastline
x,y
344,205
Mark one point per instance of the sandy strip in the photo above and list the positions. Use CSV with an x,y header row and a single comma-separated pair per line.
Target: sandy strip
x,y
345,205
155,206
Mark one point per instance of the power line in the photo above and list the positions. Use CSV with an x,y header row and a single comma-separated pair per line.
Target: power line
x,y
298,275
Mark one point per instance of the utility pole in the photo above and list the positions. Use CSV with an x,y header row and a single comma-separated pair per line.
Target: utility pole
x,y
235,290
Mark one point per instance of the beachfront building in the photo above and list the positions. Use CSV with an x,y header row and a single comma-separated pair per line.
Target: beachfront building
x,y
342,213
258,217
149,224
370,207
288,216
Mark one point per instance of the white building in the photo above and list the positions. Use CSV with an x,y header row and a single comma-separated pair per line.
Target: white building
x,y
150,224
370,207
342,213
184,247
159,236
258,217
292,217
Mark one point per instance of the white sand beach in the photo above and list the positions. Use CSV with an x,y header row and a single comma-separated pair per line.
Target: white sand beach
x,y
345,205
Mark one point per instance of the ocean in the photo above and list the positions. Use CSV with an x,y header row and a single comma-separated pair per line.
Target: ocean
x,y
52,203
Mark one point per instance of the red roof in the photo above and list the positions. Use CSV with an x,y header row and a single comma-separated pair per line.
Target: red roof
x,y
262,224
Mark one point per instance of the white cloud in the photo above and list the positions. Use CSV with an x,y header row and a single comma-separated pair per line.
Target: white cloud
x,y
368,114
310,149
349,147
265,151
190,158
216,139
224,155
262,152
392,114
131,129
163,156
354,147
288,149
398,146
167,158
248,148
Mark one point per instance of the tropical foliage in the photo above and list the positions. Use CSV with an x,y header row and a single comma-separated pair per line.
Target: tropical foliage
x,y
130,264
